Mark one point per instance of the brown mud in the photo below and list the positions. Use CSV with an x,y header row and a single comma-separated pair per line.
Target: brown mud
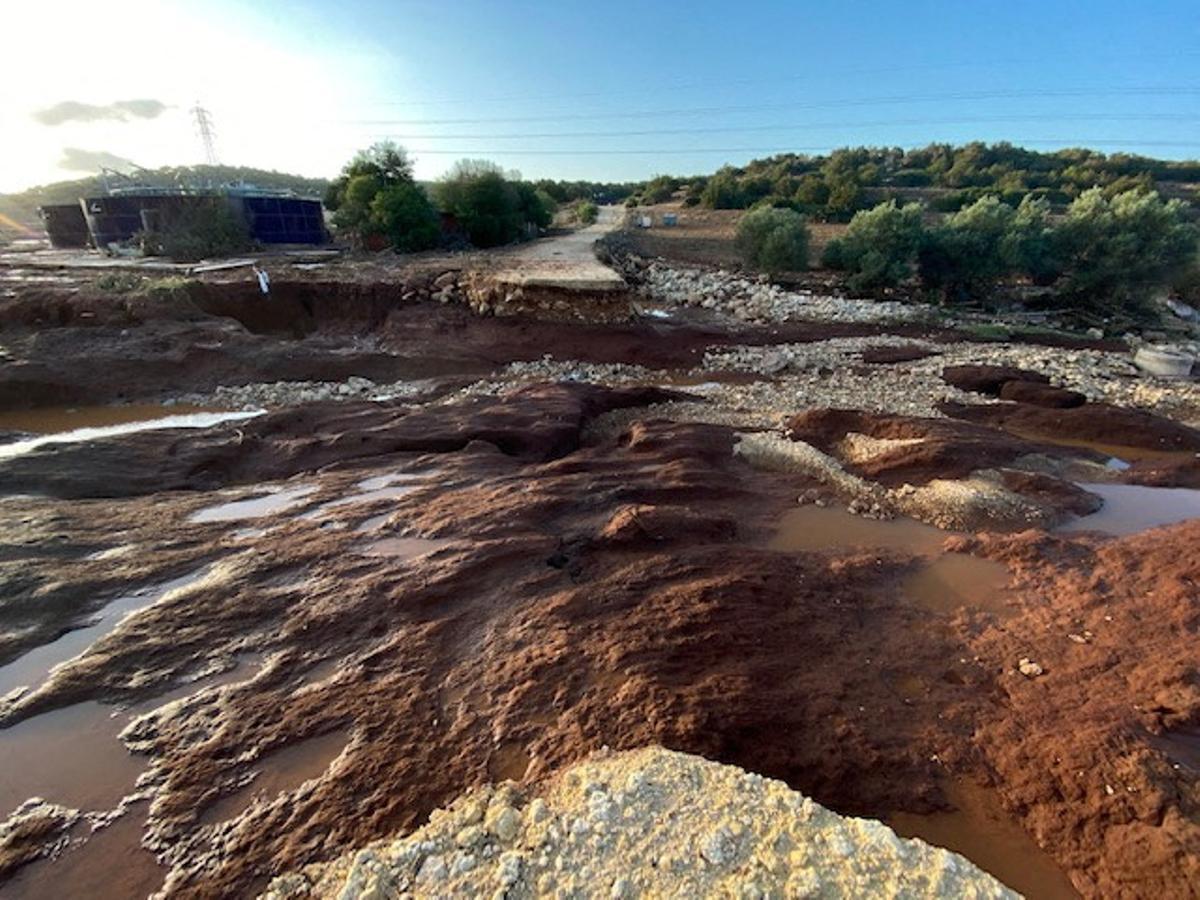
x,y
628,591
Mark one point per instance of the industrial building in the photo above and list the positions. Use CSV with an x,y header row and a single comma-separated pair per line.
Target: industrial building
x,y
271,217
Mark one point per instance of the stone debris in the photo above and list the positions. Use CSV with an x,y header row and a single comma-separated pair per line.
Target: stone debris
x,y
292,393
648,822
1029,668
757,300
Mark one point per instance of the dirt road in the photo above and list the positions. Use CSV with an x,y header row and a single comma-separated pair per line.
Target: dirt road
x,y
568,261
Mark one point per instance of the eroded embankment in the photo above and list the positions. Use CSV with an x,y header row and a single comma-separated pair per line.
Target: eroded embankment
x,y
572,595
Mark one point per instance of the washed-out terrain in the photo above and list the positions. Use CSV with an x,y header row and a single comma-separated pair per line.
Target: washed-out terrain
x,y
404,558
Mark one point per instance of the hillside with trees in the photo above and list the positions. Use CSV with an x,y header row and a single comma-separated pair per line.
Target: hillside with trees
x,y
831,188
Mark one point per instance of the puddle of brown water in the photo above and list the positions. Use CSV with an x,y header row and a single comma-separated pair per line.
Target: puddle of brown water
x,y
955,580
253,507
190,420
55,419
73,756
403,547
70,756
31,668
283,770
829,528
1119,451
111,864
981,830
1130,508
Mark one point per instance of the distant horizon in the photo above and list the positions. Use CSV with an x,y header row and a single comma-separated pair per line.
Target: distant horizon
x,y
568,94
683,175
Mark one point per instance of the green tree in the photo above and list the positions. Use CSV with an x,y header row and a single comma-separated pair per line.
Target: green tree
x,y
375,196
492,209
403,214
1117,252
880,247
965,255
773,240
723,191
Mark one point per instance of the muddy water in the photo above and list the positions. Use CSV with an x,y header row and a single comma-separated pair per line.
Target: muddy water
x,y
90,433
32,668
110,865
402,547
1131,508
56,419
943,583
283,770
956,580
73,756
831,528
1181,747
1122,452
981,830
253,507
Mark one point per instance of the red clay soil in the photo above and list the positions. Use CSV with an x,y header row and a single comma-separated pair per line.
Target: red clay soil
x,y
1115,626
620,594
1100,423
948,448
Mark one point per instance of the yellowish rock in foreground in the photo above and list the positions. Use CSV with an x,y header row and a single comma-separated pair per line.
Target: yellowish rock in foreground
x,y
644,823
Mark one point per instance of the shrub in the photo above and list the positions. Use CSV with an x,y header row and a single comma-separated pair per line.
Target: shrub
x,y
586,212
659,189
965,255
491,209
1029,246
403,214
376,196
723,191
880,246
202,229
773,240
1117,251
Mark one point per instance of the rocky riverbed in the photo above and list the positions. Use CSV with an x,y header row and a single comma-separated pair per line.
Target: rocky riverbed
x,y
459,550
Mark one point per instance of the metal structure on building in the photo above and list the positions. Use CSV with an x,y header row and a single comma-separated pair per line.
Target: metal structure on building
x,y
271,217
66,225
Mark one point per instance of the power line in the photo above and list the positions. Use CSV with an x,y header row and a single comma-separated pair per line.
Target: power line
x,y
1167,91
744,82
822,148
964,120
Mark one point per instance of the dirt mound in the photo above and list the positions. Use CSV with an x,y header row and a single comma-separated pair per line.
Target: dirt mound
x,y
538,422
1039,394
919,449
1099,423
644,823
990,380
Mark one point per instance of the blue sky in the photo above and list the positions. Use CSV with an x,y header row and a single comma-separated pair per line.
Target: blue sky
x,y
300,85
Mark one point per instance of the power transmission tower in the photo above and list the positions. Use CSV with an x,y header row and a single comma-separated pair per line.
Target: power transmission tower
x,y
204,128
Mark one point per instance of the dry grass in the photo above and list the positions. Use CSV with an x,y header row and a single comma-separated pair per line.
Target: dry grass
x,y
706,236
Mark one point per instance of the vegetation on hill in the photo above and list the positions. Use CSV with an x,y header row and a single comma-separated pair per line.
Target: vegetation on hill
x,y
835,186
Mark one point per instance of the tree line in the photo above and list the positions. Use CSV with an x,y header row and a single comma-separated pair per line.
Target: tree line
x,y
1108,254
833,187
